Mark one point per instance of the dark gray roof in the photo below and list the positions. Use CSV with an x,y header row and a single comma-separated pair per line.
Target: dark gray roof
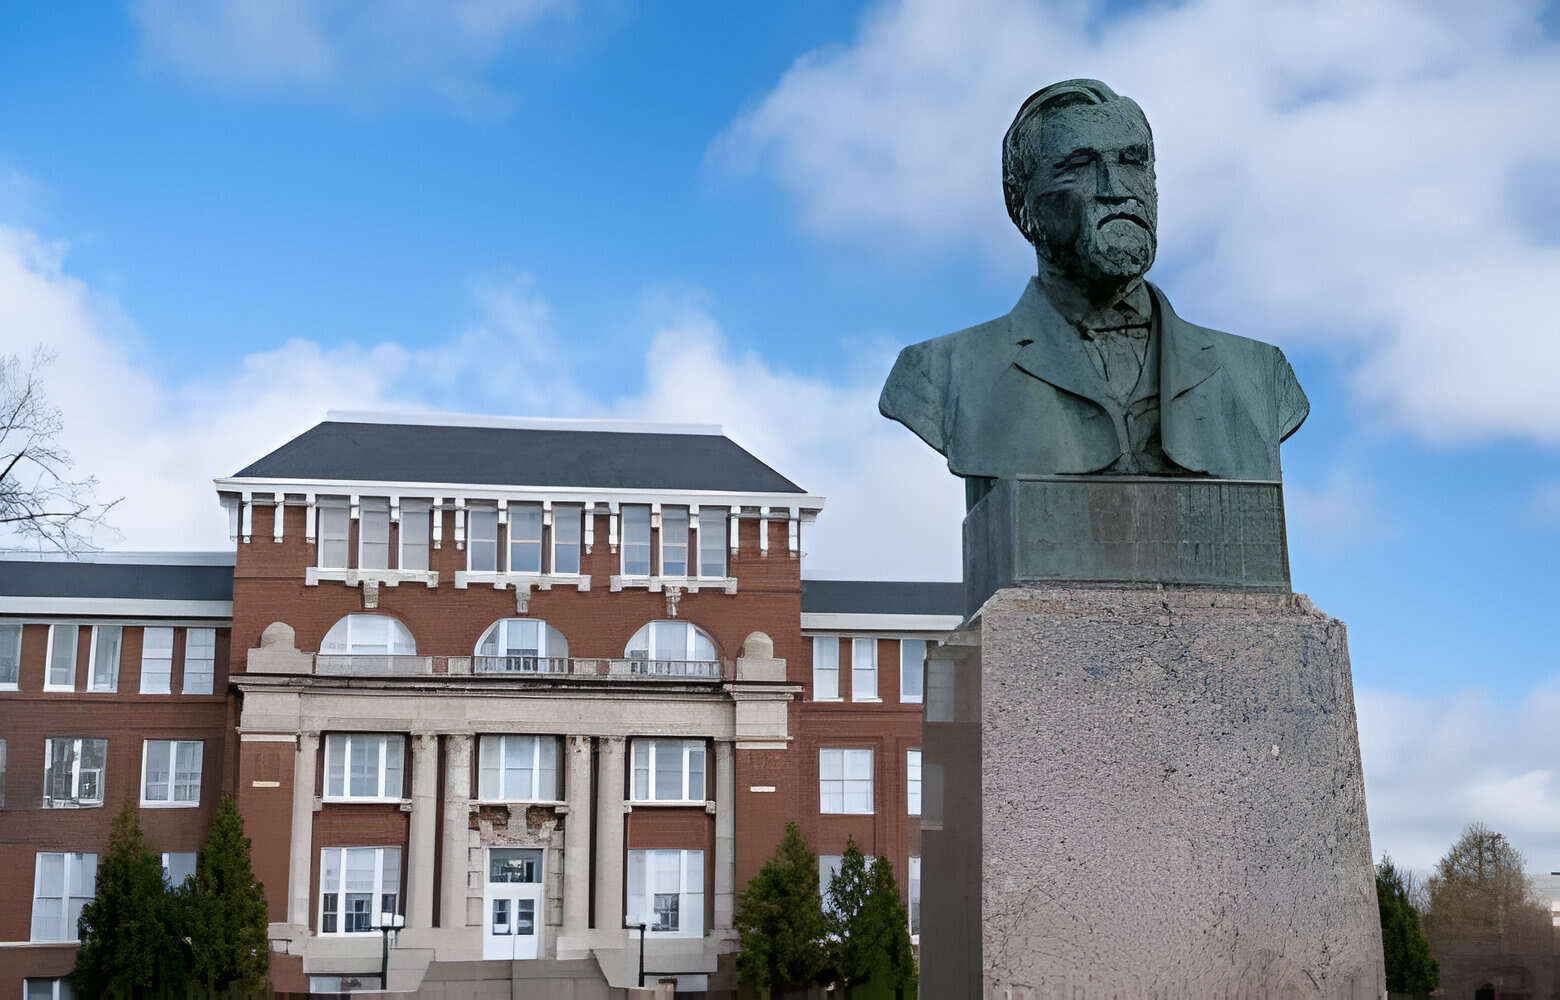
x,y
507,456
140,581
883,597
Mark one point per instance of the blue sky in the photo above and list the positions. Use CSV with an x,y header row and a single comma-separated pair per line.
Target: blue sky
x,y
229,217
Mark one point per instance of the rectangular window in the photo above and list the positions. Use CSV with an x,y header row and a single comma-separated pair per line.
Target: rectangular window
x,y
170,772
2,774
62,884
669,771
863,669
674,541
525,538
826,667
10,656
915,894
913,781
666,891
60,674
912,654
156,660
200,659
712,542
482,539
518,769
636,540
364,765
47,989
357,884
73,771
845,781
416,521
374,534
568,522
177,867
332,545
828,867
103,660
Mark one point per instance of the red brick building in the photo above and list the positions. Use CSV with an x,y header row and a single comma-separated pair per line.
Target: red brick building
x,y
513,683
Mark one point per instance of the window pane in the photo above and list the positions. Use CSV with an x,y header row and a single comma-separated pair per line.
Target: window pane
x,y
696,772
674,541
636,540
374,534
415,521
668,770
62,656
156,660
159,762
488,786
642,769
863,669
200,653
482,539
913,781
547,770
826,666
912,653
332,544
567,524
10,653
712,542
105,657
335,765
177,867
915,894
525,538
518,756
363,767
395,765
186,774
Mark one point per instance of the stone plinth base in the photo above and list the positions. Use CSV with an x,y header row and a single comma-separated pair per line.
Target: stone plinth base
x,y
1145,794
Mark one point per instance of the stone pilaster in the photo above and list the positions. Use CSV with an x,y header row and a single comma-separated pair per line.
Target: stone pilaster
x,y
609,833
576,840
420,838
305,761
457,820
725,837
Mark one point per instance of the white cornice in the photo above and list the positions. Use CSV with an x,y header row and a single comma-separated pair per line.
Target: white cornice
x,y
118,607
838,621
519,493
125,558
436,419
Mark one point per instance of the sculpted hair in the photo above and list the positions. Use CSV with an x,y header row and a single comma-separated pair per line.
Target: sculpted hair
x,y
1018,145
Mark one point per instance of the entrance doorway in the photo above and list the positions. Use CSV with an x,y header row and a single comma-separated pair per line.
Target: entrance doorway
x,y
512,903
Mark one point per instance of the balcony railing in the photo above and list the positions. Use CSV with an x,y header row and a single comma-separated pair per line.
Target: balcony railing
x,y
520,665
371,665
556,667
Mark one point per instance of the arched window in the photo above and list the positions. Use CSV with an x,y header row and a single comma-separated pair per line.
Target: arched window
x,y
667,647
522,645
365,634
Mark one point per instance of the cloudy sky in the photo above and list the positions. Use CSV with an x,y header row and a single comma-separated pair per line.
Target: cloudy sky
x,y
227,217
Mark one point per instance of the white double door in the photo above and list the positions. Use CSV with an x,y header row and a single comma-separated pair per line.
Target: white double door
x,y
512,904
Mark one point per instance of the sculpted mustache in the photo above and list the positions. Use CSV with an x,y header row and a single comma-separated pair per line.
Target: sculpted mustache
x,y
1128,216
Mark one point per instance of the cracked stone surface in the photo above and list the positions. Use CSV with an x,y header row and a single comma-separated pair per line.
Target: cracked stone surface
x,y
1172,801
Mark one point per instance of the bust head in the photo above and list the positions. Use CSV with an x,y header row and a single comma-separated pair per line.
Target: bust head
x,y
1078,173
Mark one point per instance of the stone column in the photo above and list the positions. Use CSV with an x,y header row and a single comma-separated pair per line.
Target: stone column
x,y
305,761
457,826
609,834
419,840
725,837
576,840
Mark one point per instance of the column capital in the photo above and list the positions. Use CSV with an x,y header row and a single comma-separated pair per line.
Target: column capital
x,y
612,741
424,740
578,741
308,738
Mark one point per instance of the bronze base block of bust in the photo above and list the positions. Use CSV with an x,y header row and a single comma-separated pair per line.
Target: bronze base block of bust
x,y
1138,793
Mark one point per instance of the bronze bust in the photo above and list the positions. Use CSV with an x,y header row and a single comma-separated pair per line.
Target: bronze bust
x,y
1092,372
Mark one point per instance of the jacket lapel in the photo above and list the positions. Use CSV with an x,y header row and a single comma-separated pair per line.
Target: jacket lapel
x,y
1046,346
1187,359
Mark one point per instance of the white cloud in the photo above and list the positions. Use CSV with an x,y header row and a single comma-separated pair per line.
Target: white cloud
x,y
1331,171
443,45
1434,765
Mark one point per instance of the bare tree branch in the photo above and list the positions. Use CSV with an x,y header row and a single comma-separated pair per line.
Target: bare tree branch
x,y
39,501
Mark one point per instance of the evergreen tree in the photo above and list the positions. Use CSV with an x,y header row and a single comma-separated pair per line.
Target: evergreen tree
x,y
870,930
1410,966
780,918
132,940
227,912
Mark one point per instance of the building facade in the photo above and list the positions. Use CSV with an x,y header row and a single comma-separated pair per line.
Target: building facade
x,y
540,692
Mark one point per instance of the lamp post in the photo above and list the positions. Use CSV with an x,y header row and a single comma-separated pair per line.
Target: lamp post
x,y
389,922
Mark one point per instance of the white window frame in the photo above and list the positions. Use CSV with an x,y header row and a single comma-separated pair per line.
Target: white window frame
x,y
374,518
2,772
190,650
690,891
397,638
550,644
72,868
644,750
832,760
858,672
48,665
654,645
712,540
913,895
94,682
379,891
907,697
341,744
498,744
677,512
573,515
172,802
59,987
488,518
524,509
913,781
415,515
826,674
75,801
11,653
146,647
625,544
325,515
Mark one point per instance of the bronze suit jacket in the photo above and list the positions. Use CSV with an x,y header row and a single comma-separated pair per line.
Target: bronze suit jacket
x,y
1019,396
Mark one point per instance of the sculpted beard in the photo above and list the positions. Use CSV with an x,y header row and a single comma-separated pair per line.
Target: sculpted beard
x,y
1109,244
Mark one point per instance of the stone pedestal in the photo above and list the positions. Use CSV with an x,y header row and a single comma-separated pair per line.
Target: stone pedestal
x,y
1145,793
